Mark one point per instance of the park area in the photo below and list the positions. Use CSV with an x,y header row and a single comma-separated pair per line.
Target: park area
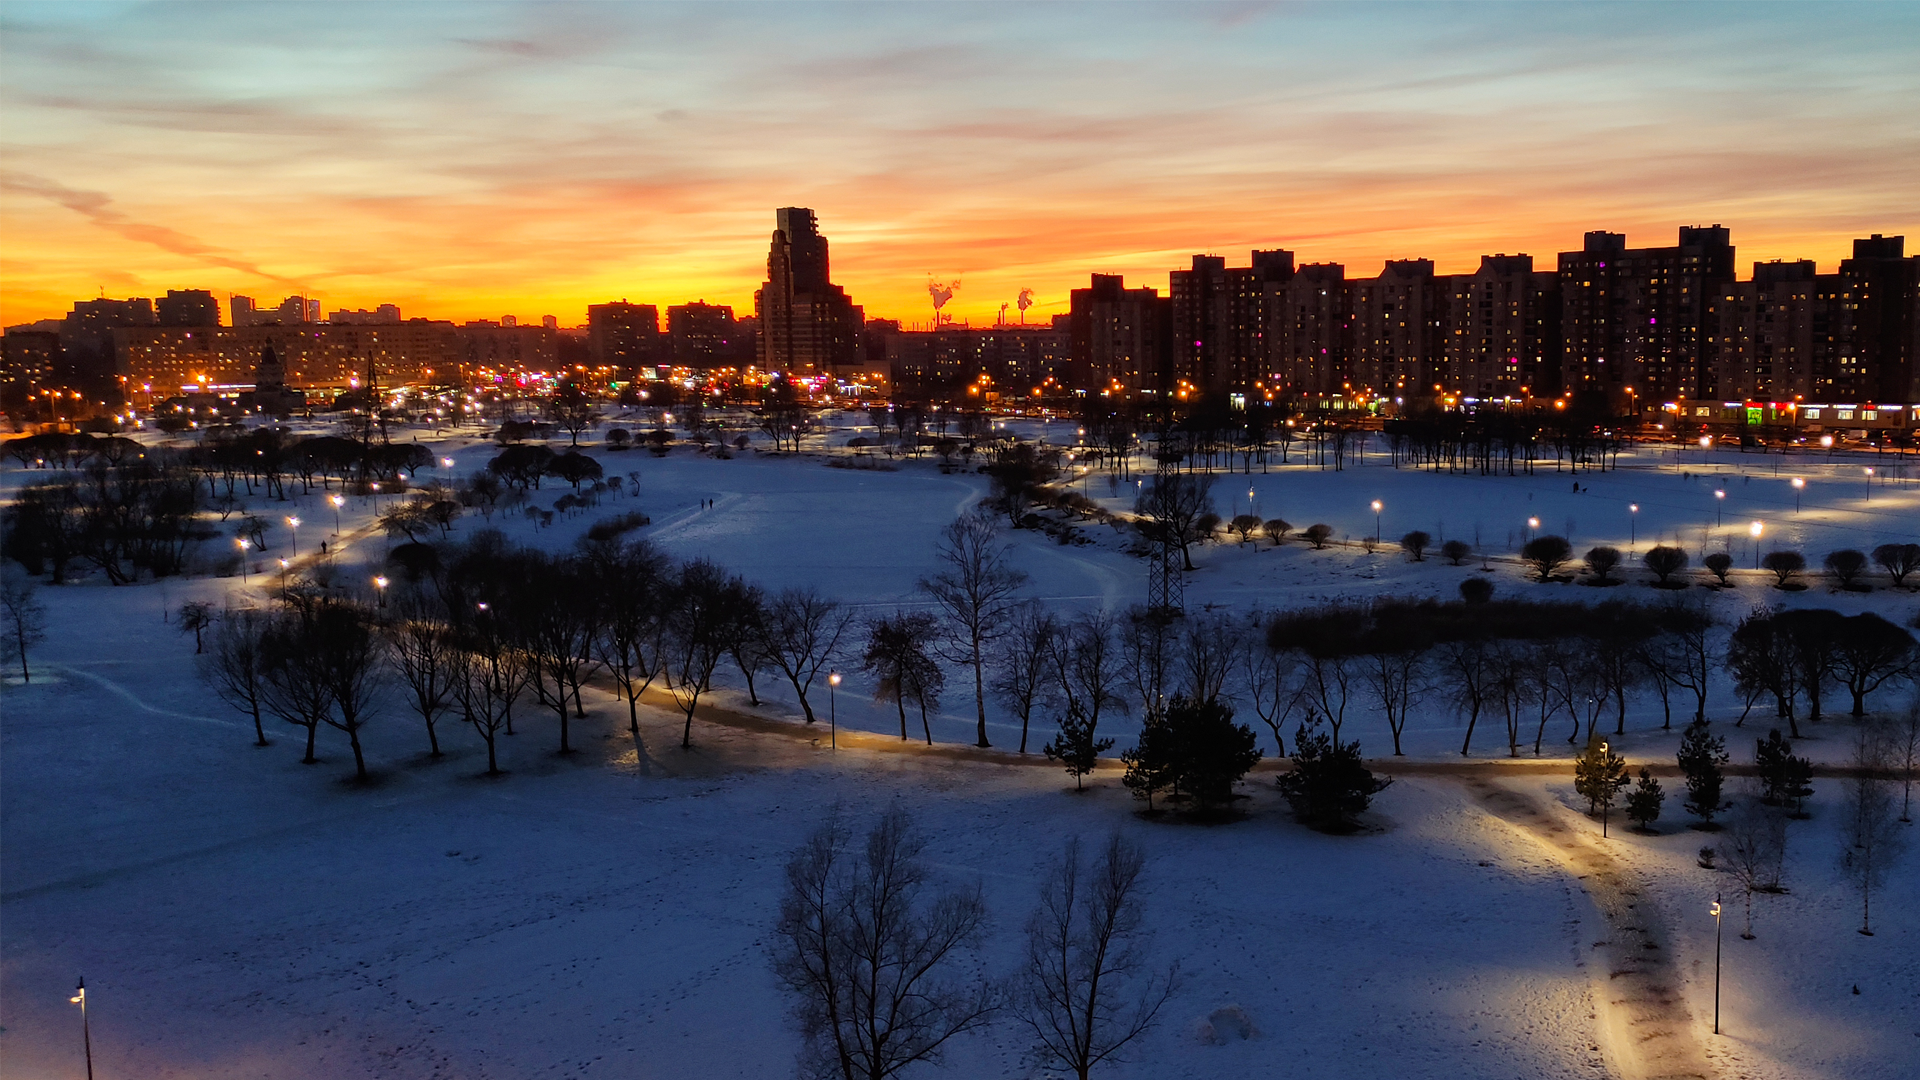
x,y
611,911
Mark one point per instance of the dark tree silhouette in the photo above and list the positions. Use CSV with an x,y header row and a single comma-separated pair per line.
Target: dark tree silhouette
x,y
1084,987
1546,554
804,633
976,592
1785,779
1602,561
1415,545
1023,677
866,954
1644,801
698,630
1719,564
1846,566
900,657
1456,551
1328,786
1870,653
1665,561
1076,746
1783,565
194,618
235,668
1703,757
1173,506
1898,560
1318,535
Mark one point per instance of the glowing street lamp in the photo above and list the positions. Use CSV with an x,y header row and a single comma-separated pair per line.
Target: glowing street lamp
x,y
1607,806
293,528
447,461
283,574
241,543
1869,484
1715,912
1376,521
380,585
1633,525
338,501
1754,530
1799,485
833,710
86,1031
1532,524
1719,504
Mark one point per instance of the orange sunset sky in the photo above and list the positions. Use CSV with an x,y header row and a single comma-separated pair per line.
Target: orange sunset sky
x,y
470,161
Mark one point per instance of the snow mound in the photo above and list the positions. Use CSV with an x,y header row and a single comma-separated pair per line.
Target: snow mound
x,y
1224,1025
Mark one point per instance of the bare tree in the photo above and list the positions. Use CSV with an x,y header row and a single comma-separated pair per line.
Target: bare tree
x,y
1084,986
1903,754
1269,682
636,583
1394,667
866,956
1468,668
1870,839
235,669
195,617
295,681
1087,670
747,635
1171,507
804,631
976,591
487,677
1021,680
1754,847
900,657
348,655
26,615
422,648
1147,646
697,635
560,617
1209,651
1326,642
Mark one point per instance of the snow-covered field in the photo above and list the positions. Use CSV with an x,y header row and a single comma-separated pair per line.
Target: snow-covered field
x,y
238,914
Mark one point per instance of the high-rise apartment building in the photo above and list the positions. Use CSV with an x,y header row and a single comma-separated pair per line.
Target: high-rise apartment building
x,y
623,336
1884,283
704,335
1220,321
1120,339
1309,332
1397,341
808,325
385,314
187,307
1635,320
1500,330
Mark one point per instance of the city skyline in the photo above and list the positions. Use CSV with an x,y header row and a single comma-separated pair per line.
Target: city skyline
x,y
535,160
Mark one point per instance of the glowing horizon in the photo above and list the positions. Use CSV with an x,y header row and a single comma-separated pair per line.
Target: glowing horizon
x,y
469,162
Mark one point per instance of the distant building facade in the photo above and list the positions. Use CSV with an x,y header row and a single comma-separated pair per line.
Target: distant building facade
x,y
808,325
161,362
623,336
187,307
1120,339
703,335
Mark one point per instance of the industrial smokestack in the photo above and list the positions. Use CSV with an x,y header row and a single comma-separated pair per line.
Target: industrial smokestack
x,y
1025,302
941,293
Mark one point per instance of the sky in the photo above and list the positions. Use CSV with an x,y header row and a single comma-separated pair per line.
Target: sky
x,y
474,160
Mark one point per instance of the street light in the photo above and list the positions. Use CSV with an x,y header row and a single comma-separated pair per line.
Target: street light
x,y
1715,912
337,501
1719,501
380,584
1869,484
241,543
1754,530
86,1031
1376,520
447,461
833,710
1605,807
283,574
1799,485
1633,525
293,528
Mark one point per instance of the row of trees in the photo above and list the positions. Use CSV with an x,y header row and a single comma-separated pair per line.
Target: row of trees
x,y
1754,835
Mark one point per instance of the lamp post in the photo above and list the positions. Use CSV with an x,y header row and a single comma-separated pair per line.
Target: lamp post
x,y
1633,526
380,586
1715,912
1799,485
833,710
283,575
337,501
86,1031
1754,530
1719,506
447,461
1606,807
241,543
1250,498
1869,484
293,530
1532,524
1376,521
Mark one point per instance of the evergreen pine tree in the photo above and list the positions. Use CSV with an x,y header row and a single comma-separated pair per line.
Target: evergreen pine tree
x,y
1075,745
1644,801
1151,763
1329,785
1702,754
1785,779
1599,774
1214,752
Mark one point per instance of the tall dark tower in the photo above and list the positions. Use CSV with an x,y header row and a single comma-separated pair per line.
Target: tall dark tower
x,y
808,325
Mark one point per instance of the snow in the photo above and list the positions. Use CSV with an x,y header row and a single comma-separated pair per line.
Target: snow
x,y
238,914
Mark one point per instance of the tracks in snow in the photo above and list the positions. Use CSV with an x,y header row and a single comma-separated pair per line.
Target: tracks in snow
x,y
1643,1021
